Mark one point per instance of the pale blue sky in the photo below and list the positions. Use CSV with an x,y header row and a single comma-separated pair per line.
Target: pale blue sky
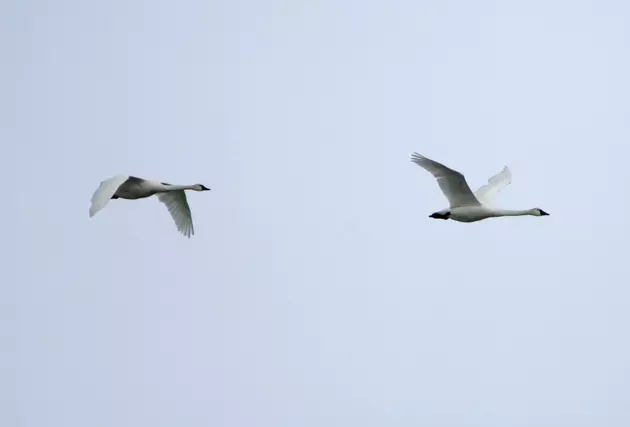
x,y
316,291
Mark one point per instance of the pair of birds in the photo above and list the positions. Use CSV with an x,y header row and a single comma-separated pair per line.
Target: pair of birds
x,y
465,206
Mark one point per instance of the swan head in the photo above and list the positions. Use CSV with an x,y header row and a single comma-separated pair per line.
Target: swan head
x,y
538,212
440,215
200,187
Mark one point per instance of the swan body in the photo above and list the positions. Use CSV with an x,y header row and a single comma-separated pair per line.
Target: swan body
x,y
466,206
133,188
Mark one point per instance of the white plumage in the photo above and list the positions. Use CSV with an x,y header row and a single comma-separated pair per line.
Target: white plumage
x,y
132,188
466,206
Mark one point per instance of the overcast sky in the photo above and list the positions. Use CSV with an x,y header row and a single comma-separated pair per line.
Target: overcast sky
x,y
316,291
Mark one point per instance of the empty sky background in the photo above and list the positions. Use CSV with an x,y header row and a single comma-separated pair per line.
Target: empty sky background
x,y
316,291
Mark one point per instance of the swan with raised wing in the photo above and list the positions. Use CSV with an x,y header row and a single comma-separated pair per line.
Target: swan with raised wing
x,y
466,206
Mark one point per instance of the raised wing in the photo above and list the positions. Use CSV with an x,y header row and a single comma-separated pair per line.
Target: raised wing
x,y
452,183
486,193
105,191
177,206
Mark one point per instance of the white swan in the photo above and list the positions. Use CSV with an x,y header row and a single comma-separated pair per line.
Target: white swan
x,y
132,188
464,205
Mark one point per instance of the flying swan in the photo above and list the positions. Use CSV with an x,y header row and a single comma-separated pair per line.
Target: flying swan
x,y
132,188
464,205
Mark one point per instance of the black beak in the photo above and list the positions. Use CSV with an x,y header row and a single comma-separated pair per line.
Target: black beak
x,y
204,188
543,213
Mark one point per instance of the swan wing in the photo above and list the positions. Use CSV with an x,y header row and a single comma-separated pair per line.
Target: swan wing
x,y
105,191
452,183
177,206
486,193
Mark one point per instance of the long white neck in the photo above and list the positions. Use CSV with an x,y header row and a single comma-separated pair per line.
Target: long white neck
x,y
511,212
177,187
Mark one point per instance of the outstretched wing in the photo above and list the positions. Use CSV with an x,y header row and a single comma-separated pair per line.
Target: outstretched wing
x,y
486,193
452,183
177,206
105,191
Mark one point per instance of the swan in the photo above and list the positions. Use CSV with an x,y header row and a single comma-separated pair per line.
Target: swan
x,y
132,188
466,206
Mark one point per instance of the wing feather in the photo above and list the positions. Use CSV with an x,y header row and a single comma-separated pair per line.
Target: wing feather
x,y
486,193
105,191
452,183
177,206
